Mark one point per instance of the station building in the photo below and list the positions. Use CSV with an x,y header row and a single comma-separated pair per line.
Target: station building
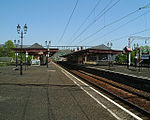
x,y
38,52
95,55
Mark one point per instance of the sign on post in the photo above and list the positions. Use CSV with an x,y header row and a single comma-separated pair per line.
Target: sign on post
x,y
145,57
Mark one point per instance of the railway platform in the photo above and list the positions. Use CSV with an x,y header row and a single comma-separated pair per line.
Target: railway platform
x,y
54,94
136,71
141,73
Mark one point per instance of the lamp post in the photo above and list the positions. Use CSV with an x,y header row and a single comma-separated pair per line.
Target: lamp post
x,y
24,31
47,55
109,44
16,44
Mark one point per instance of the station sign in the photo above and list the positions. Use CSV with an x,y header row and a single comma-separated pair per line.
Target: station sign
x,y
145,57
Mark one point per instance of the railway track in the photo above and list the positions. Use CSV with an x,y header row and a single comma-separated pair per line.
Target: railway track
x,y
137,99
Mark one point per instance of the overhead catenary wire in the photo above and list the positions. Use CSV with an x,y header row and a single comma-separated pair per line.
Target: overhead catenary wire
x,y
116,21
119,38
128,35
121,26
85,20
68,21
98,17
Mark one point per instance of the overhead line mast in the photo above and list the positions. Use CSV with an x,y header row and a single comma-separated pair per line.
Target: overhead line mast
x,y
131,39
136,37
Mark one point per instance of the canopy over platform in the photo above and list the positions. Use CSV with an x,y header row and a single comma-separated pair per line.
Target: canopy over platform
x,y
100,49
38,52
92,55
35,49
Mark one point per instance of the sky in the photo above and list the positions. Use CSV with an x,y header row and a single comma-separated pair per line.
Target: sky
x,y
59,21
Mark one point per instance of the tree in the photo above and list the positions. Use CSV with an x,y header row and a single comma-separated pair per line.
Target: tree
x,y
132,56
145,49
2,51
122,58
5,50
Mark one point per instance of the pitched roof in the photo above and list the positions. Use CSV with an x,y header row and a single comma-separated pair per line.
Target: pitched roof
x,y
36,45
100,47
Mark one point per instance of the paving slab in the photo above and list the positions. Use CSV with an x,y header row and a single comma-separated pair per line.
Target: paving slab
x,y
46,94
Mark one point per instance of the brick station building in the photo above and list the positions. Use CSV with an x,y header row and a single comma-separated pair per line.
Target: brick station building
x,y
95,55
36,51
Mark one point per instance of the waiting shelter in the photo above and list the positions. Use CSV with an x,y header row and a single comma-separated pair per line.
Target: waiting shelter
x,y
38,52
94,55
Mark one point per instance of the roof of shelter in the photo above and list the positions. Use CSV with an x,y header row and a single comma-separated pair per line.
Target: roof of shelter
x,y
36,45
100,47
35,48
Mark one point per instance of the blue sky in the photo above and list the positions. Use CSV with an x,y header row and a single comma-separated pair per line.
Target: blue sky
x,y
46,20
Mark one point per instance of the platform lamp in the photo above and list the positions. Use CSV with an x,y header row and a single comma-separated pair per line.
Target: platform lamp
x,y
16,45
109,44
22,32
47,55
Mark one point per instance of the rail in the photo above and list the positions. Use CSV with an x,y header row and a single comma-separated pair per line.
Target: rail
x,y
136,98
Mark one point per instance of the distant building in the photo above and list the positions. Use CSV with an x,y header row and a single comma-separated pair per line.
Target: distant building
x,y
94,55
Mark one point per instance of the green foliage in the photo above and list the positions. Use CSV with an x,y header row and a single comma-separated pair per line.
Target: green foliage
x,y
24,57
132,56
122,58
2,51
145,49
5,50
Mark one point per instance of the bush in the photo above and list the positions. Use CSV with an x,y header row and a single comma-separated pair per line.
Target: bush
x,y
122,58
